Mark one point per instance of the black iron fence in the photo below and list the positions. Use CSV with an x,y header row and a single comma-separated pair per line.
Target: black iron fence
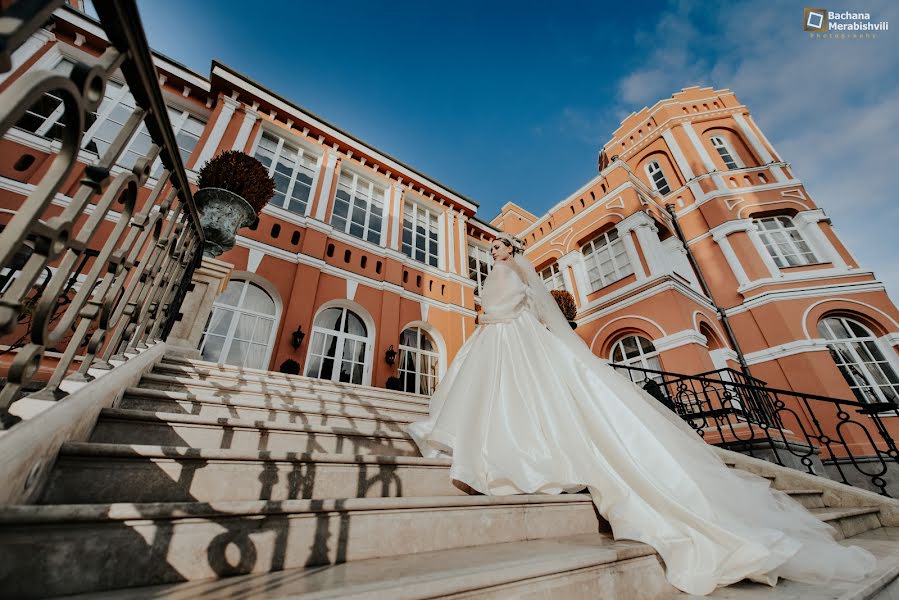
x,y
97,272
847,440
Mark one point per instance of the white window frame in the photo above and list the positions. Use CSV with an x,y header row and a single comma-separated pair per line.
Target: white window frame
x,y
481,255
433,357
420,213
725,152
552,277
372,185
864,384
303,149
232,327
607,244
653,168
792,237
342,336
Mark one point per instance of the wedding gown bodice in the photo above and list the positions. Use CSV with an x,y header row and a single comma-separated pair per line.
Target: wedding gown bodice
x,y
503,296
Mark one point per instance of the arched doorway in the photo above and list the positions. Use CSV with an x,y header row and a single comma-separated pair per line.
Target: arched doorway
x,y
419,360
241,328
339,350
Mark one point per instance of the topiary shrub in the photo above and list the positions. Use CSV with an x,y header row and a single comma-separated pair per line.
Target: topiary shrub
x,y
566,303
240,174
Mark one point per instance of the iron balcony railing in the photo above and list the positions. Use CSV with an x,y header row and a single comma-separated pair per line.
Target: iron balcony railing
x,y
849,439
87,283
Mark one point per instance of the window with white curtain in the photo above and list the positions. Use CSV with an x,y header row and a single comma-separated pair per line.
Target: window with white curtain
x,y
479,265
864,367
783,241
338,350
359,207
241,327
724,152
654,170
418,361
420,234
292,168
552,277
606,259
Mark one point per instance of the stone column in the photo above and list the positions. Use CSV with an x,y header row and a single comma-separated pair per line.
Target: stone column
x,y
321,203
209,280
243,134
648,236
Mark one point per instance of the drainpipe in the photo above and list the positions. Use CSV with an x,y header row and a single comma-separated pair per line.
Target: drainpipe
x,y
705,288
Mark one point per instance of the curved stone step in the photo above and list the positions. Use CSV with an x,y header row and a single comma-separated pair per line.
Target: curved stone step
x,y
309,412
97,473
65,549
118,426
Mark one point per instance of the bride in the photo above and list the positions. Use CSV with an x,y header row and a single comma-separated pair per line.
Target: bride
x,y
526,407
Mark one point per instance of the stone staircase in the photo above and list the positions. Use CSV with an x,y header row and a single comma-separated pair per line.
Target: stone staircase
x,y
208,481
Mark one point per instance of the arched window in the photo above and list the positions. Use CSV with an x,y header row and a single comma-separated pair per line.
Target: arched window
x,y
418,362
724,152
855,352
339,346
784,242
636,351
241,327
658,178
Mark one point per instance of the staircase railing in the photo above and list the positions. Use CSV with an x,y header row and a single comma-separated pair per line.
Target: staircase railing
x,y
849,439
90,273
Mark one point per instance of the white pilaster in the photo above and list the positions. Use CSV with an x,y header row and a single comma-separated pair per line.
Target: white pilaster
x,y
760,149
243,134
575,260
462,227
450,236
324,195
699,147
774,151
719,234
808,224
647,234
441,247
678,154
229,105
396,215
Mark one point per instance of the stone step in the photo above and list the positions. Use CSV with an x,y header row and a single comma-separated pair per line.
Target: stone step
x,y
273,393
573,567
254,377
308,412
849,521
96,473
65,549
119,426
88,473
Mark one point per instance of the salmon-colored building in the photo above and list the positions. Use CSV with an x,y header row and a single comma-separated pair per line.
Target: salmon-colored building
x,y
694,248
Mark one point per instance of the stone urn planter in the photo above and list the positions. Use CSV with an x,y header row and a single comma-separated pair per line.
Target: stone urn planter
x,y
233,189
222,213
566,304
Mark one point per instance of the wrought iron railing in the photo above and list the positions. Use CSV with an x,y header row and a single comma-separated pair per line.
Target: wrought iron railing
x,y
99,277
849,439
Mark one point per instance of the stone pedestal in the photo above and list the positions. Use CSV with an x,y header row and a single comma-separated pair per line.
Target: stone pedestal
x,y
209,280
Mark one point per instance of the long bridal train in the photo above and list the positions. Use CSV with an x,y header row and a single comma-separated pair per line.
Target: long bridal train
x,y
526,407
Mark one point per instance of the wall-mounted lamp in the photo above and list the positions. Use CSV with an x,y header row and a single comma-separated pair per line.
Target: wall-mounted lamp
x,y
390,355
296,338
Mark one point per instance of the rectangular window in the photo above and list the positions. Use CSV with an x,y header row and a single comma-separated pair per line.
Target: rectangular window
x,y
420,234
479,264
292,168
552,277
607,260
784,242
359,207
44,118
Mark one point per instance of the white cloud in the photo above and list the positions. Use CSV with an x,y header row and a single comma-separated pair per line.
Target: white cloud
x,y
829,106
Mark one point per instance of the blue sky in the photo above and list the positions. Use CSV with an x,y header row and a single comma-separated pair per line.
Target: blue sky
x,y
512,100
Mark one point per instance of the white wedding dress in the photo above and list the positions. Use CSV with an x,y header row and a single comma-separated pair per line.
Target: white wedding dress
x,y
526,407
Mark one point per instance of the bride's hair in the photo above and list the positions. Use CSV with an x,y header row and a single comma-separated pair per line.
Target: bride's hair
x,y
508,241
